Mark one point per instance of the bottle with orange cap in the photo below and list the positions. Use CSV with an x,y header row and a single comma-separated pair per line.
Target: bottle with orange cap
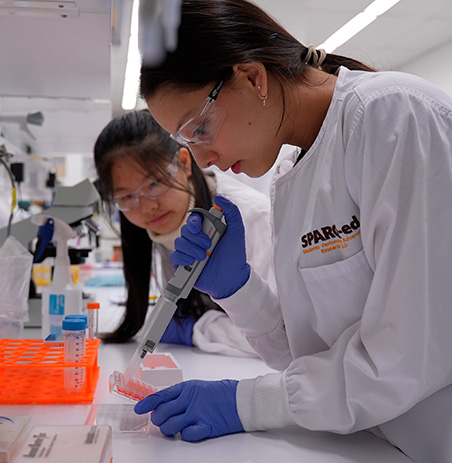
x,y
93,319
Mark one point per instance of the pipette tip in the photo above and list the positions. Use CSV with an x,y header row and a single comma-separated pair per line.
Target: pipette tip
x,y
134,364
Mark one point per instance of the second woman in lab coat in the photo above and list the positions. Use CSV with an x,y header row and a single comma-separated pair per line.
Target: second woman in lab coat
x,y
154,181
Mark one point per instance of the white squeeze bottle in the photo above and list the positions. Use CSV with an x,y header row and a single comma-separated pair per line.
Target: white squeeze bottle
x,y
61,297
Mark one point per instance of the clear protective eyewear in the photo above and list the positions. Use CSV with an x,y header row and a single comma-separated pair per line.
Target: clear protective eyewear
x,y
205,127
152,189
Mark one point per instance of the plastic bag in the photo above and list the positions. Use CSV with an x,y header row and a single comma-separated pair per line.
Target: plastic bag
x,y
15,274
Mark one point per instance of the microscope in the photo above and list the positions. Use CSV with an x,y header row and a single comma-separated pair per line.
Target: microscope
x,y
74,205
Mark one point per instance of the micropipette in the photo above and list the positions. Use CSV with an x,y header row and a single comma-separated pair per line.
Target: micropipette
x,y
178,287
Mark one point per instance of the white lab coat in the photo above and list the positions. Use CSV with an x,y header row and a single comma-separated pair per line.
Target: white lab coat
x,y
214,332
361,325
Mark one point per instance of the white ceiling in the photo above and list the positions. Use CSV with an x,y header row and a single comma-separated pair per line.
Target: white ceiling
x,y
405,32
72,69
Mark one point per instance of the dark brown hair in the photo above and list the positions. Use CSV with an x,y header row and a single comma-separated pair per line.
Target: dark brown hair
x,y
214,35
136,136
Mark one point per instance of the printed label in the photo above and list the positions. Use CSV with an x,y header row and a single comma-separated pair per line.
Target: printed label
x,y
56,304
331,237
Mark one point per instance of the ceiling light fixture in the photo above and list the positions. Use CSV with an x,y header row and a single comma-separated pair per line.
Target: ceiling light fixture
x,y
39,9
154,32
132,76
357,24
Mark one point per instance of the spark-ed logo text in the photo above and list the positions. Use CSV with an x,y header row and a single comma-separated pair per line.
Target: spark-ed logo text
x,y
330,237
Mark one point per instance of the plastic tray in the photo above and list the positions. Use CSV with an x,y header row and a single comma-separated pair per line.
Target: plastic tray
x,y
32,372
121,417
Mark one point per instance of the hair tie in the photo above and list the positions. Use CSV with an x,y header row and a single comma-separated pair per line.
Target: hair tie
x,y
313,55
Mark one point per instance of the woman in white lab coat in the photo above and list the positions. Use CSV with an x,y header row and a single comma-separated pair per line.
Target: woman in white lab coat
x,y
153,182
360,325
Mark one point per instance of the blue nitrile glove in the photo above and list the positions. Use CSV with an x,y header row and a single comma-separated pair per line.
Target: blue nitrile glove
x,y
197,409
179,331
227,269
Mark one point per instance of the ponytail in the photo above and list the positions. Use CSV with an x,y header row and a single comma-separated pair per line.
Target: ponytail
x,y
214,35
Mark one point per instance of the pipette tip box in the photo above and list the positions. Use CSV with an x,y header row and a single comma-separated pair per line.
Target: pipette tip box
x,y
32,372
68,443
12,434
160,370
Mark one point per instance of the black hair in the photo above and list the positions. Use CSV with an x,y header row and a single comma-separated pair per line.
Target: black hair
x,y
137,137
214,35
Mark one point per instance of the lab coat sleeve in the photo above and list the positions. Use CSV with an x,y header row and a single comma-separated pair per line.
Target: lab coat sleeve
x,y
255,309
398,165
215,333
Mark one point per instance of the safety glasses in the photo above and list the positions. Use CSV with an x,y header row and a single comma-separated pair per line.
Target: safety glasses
x,y
152,189
205,127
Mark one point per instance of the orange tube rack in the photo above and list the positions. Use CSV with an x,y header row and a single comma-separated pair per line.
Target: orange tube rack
x,y
32,372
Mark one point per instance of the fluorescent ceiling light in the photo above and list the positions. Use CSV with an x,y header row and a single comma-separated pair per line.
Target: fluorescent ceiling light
x,y
39,9
357,24
132,77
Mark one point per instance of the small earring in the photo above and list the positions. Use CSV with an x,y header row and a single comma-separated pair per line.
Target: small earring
x,y
263,98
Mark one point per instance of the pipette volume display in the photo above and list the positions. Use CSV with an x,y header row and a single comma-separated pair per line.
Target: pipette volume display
x,y
178,287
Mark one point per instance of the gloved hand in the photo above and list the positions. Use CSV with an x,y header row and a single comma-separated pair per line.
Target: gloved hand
x,y
227,269
179,331
196,409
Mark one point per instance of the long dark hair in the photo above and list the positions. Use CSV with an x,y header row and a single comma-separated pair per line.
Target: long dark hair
x,y
136,136
214,35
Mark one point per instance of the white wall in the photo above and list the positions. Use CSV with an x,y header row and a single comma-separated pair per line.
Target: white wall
x,y
436,67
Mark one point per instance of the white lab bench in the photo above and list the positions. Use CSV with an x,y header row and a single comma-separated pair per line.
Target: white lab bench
x,y
287,445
